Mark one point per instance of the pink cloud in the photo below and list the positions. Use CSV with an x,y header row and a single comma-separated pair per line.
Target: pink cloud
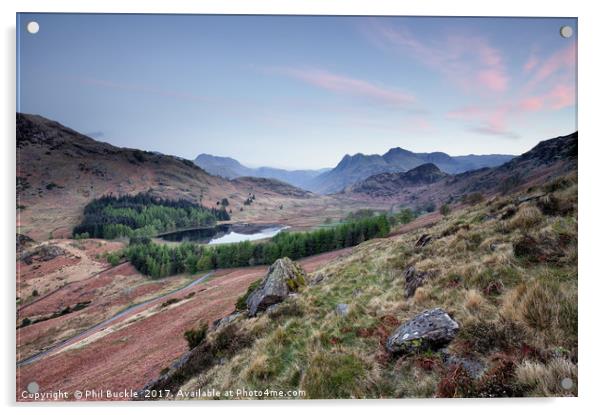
x,y
531,63
486,120
465,112
559,97
493,79
532,104
562,96
494,119
351,86
469,61
562,61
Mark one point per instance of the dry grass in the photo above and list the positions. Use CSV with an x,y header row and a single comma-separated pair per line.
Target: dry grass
x,y
547,379
526,217
514,315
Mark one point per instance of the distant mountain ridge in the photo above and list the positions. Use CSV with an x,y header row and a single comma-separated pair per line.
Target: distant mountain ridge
x,y
230,168
427,183
353,169
59,171
387,184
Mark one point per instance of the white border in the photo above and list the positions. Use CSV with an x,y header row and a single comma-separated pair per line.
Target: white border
x,y
590,206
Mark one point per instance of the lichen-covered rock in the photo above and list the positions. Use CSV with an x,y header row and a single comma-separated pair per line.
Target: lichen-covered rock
x,y
284,277
430,329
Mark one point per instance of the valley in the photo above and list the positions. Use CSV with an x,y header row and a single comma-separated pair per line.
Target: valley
x,y
120,252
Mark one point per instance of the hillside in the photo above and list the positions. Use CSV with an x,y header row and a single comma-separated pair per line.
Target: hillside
x,y
353,169
230,168
548,159
60,170
504,270
389,184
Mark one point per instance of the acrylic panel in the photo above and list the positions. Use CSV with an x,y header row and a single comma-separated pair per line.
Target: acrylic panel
x,y
295,207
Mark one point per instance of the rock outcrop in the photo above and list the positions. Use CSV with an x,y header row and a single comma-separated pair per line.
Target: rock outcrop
x,y
221,322
431,329
423,240
23,242
283,278
414,279
42,253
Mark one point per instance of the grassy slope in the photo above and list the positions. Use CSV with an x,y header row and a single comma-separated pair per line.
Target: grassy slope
x,y
517,310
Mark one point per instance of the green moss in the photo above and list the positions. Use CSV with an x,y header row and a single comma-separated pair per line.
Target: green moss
x,y
334,375
294,284
241,303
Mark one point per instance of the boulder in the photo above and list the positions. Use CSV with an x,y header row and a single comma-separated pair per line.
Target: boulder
x,y
414,279
431,329
283,278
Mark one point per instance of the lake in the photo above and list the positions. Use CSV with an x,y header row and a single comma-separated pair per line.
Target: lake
x,y
225,233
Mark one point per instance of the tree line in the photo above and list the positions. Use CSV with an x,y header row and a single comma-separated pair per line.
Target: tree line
x,y
158,260
142,215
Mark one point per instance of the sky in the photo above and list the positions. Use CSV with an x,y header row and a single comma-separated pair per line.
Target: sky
x,y
301,91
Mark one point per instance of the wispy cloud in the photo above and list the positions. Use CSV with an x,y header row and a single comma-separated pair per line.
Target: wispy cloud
x,y
143,89
548,84
347,85
531,63
559,97
468,61
486,120
560,63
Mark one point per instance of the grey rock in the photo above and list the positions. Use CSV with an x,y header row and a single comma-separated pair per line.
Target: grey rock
x,y
42,253
23,241
475,368
414,279
226,320
318,278
527,198
271,310
283,278
431,329
342,310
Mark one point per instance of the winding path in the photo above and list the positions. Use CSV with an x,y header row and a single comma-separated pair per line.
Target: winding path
x,y
103,324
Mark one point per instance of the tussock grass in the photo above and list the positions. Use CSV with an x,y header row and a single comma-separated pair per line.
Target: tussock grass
x,y
547,379
527,217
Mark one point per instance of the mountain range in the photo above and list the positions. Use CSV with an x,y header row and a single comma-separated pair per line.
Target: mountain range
x,y
60,170
351,169
230,168
428,184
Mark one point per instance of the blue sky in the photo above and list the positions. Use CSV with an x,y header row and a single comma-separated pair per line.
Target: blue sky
x,y
301,91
